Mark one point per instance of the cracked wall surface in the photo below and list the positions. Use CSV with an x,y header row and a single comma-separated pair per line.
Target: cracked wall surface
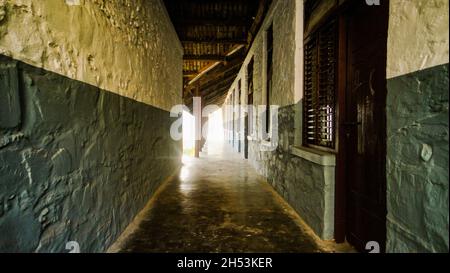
x,y
127,47
418,35
85,89
417,161
417,127
77,163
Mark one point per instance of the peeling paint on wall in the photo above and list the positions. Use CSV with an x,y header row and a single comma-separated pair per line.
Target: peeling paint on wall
x,y
418,36
127,47
73,2
80,164
417,126
417,161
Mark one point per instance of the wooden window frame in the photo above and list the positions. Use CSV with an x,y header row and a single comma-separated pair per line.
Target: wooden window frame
x,y
328,22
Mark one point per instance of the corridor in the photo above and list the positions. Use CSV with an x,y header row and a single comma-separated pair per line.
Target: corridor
x,y
332,114
218,204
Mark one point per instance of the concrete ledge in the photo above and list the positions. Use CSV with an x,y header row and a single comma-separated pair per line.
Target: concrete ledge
x,y
265,143
269,145
315,156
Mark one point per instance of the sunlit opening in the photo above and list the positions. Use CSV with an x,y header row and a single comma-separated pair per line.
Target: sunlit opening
x,y
188,134
215,136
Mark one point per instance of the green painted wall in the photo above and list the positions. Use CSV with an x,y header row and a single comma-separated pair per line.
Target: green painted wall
x,y
307,186
417,161
77,163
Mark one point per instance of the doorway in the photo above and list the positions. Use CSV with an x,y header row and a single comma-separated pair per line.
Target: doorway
x,y
361,177
249,115
238,131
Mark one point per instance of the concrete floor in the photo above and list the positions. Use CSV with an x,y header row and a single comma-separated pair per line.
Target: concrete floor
x,y
217,205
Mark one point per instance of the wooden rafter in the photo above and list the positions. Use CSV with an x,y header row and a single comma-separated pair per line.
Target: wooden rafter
x,y
208,57
239,22
203,41
215,36
222,77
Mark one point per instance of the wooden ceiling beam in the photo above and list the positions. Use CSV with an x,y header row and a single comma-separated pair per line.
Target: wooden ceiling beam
x,y
217,80
213,41
234,22
225,66
225,83
190,73
206,57
222,71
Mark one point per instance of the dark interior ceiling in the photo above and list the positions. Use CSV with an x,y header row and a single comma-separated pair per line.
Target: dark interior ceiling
x,y
216,35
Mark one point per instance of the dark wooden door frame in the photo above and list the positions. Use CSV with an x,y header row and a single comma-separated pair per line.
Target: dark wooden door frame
x,y
339,11
341,174
341,185
239,122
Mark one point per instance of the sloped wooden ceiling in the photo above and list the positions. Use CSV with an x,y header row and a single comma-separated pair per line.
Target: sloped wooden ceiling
x,y
216,35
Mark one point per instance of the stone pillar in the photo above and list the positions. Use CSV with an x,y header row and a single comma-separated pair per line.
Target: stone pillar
x,y
197,109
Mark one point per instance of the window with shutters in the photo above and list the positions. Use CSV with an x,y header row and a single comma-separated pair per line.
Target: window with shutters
x,y
320,60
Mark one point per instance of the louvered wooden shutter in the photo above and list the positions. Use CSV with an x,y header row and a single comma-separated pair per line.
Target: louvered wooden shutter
x,y
310,98
320,85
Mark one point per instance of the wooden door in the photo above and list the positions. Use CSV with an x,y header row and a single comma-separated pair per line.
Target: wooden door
x,y
239,133
365,124
248,122
249,116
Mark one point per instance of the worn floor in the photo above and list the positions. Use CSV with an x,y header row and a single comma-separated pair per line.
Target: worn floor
x,y
218,205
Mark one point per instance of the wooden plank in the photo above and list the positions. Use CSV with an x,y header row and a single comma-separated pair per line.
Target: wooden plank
x,y
219,83
213,41
222,71
239,22
206,57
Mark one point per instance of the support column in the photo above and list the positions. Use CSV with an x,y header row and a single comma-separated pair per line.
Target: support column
x,y
197,109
